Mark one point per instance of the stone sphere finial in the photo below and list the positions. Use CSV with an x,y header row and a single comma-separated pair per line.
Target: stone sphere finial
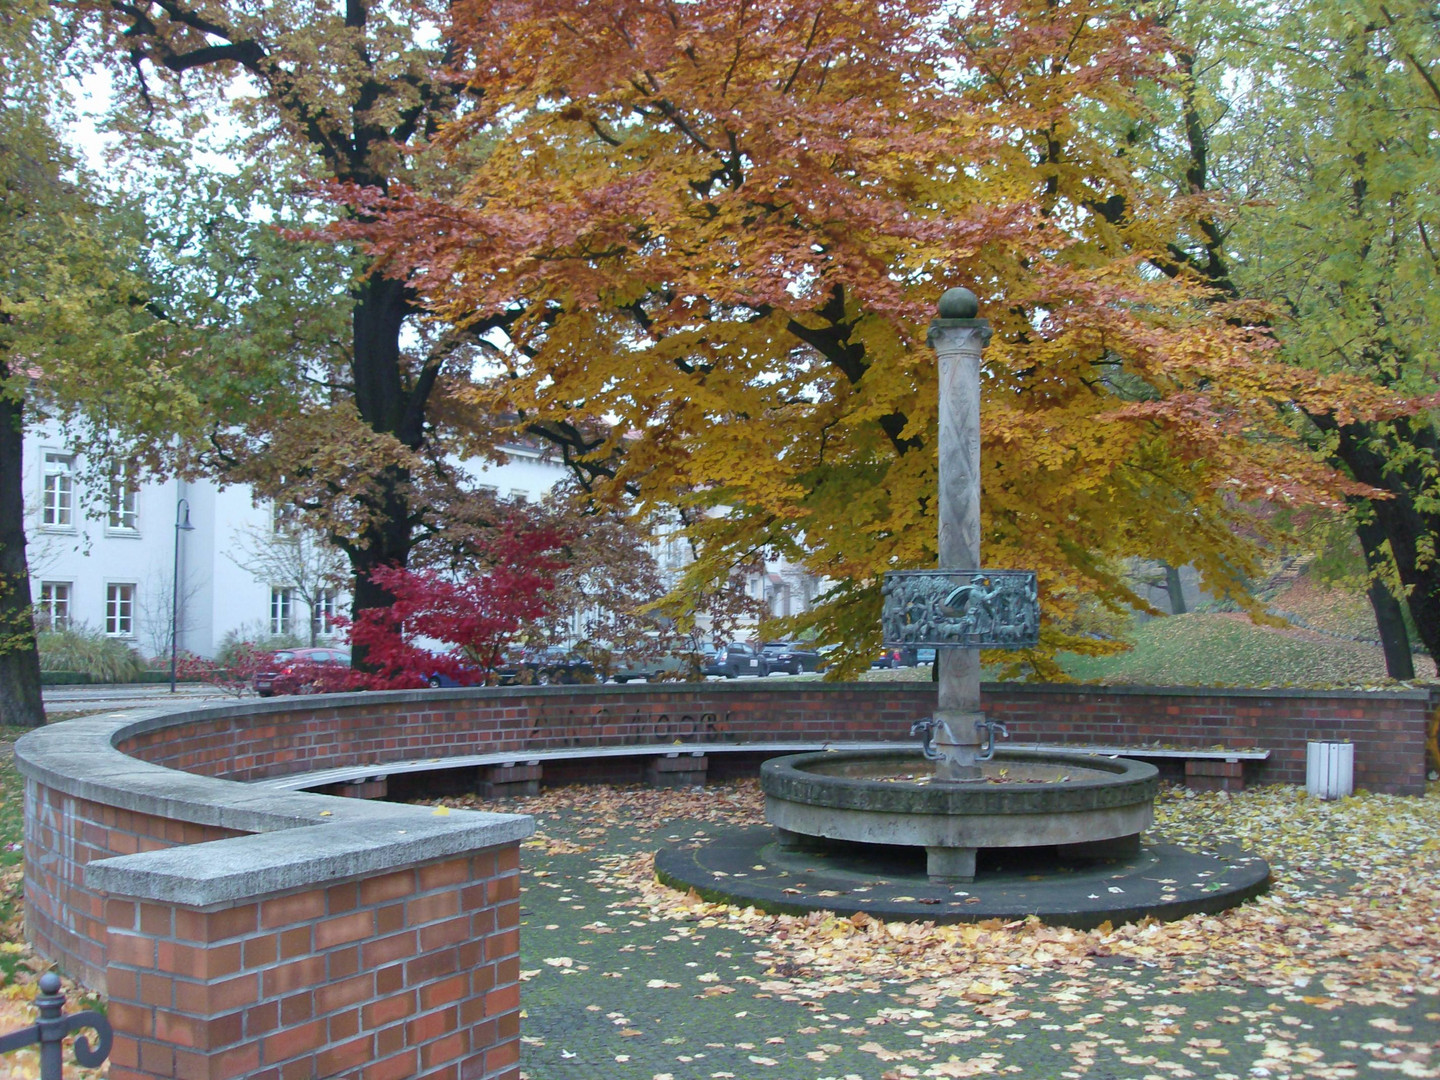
x,y
959,303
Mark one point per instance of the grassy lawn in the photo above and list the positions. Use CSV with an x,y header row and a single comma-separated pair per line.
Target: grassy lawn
x,y
1230,650
12,835
1220,650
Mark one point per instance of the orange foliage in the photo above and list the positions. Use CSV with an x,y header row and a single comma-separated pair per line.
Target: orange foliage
x,y
723,225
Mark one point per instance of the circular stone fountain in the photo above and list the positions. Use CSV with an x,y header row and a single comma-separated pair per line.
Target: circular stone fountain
x,y
1085,806
1068,825
1057,836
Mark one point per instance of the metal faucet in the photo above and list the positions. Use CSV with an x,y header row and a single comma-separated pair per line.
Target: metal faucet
x,y
986,729
927,730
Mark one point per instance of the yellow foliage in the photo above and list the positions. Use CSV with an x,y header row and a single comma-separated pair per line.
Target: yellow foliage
x,y
724,231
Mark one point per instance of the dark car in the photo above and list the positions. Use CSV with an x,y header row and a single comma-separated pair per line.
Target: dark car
x,y
553,665
449,672
734,660
298,671
791,656
670,666
452,676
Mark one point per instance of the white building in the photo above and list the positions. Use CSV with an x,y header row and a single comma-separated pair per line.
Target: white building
x,y
106,558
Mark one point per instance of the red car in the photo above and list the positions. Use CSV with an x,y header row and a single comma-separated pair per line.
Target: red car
x,y
294,671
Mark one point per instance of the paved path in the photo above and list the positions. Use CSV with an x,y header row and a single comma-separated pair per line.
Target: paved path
x,y
110,697
619,985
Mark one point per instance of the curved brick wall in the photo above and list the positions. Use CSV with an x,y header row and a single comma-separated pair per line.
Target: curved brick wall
x,y
273,738
211,910
269,935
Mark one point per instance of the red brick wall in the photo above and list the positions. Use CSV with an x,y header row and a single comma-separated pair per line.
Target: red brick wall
x,y
412,973
415,971
64,918
1387,729
404,962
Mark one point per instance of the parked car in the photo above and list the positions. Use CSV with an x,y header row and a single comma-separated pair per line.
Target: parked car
x,y
449,672
791,656
542,667
734,660
892,657
656,669
294,671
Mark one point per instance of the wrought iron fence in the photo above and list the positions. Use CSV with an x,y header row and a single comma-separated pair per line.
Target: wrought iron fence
x,y
52,1027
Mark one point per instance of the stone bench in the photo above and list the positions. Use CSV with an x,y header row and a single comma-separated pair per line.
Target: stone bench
x,y
512,773
508,774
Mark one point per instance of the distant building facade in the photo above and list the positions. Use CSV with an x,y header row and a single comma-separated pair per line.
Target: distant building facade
x,y
106,558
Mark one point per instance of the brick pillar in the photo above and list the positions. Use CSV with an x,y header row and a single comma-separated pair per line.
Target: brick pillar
x,y
508,780
676,770
1207,774
413,972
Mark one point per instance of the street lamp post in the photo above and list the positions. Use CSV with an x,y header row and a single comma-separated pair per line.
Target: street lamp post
x,y
182,524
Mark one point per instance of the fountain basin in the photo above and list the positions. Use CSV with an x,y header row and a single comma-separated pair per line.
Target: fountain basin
x,y
1082,805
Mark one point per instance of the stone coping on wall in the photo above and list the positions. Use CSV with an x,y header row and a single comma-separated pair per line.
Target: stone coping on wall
x,y
750,685
1129,690
298,840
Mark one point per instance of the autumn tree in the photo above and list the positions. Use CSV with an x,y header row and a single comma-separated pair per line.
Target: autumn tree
x,y
604,595
477,615
79,345
1316,122
725,227
324,388
1344,247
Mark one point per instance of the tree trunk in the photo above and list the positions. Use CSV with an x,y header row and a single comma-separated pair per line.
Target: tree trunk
x,y
367,593
1405,519
1394,638
386,405
20,703
1175,589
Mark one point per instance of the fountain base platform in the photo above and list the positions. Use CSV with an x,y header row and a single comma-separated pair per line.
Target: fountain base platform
x,y
1078,804
748,867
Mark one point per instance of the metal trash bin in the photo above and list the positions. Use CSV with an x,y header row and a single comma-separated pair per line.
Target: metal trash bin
x,y
1330,769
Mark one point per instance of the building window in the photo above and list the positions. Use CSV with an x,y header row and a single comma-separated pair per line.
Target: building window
x,y
322,615
53,610
124,499
282,608
59,492
519,495
120,610
284,518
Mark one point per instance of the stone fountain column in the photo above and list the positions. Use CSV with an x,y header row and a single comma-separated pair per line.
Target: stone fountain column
x,y
958,338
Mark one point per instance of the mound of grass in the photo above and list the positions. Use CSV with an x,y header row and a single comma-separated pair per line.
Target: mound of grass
x,y
1332,610
12,834
1230,650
